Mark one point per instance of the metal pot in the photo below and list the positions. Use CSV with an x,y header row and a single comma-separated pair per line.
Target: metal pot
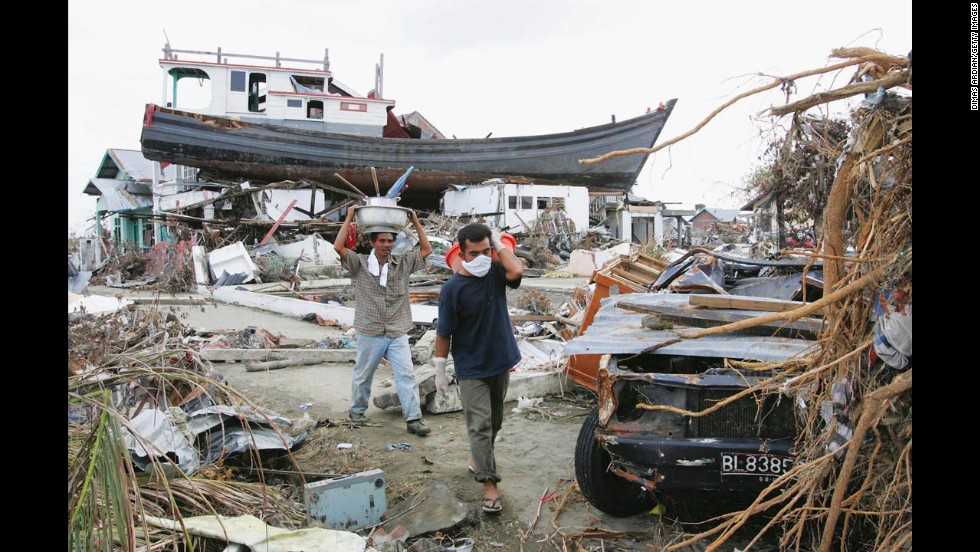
x,y
382,201
381,215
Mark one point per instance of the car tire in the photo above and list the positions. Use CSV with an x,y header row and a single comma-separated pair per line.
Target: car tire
x,y
603,489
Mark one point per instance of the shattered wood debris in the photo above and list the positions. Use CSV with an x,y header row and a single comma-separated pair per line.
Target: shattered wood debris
x,y
135,392
851,483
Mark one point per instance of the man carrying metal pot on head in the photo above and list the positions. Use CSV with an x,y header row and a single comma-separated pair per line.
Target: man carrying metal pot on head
x,y
383,318
475,324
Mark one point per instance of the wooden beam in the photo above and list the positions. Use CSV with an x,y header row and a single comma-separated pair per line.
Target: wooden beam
x,y
640,267
632,277
746,303
282,217
651,263
532,318
805,327
543,318
279,364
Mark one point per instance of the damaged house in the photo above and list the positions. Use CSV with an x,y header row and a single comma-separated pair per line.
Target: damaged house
x,y
123,186
515,206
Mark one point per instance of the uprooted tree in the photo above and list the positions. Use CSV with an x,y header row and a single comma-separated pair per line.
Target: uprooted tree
x,y
851,488
797,170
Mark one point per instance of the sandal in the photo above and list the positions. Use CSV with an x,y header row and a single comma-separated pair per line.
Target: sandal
x,y
492,505
471,469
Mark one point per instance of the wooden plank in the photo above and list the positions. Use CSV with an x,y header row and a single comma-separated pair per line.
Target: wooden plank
x,y
632,277
532,318
652,263
746,303
808,327
645,268
262,355
610,280
282,217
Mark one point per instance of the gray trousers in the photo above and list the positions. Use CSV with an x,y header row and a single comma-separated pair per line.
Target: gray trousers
x,y
483,406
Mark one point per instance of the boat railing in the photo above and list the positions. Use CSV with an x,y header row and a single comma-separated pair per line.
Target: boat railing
x,y
222,57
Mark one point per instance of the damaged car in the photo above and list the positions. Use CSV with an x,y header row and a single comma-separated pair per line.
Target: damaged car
x,y
675,417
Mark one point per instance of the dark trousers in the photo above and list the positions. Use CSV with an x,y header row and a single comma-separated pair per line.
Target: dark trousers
x,y
483,406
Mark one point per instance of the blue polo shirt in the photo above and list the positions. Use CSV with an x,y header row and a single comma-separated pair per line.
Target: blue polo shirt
x,y
473,312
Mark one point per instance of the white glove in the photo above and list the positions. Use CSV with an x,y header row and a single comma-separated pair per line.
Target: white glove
x,y
495,239
442,380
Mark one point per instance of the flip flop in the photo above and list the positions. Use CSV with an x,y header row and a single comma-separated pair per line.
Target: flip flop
x,y
471,469
492,505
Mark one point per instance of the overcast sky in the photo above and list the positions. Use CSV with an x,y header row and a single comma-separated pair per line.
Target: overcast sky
x,y
478,66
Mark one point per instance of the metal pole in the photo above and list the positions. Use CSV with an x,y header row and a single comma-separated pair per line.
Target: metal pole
x,y
156,202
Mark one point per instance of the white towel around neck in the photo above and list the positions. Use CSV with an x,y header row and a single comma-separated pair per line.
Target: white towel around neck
x,y
375,268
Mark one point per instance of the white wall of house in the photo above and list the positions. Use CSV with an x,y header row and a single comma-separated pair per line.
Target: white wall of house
x,y
645,225
511,205
276,201
183,199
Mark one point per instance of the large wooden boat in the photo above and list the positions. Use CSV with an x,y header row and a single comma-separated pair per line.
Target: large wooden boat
x,y
277,123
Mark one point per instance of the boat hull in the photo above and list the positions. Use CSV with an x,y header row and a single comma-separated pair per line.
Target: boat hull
x,y
272,153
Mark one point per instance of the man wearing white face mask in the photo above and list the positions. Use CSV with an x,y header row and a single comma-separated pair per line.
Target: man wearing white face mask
x,y
383,317
474,322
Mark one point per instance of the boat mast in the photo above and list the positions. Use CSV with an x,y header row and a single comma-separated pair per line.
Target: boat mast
x,y
379,69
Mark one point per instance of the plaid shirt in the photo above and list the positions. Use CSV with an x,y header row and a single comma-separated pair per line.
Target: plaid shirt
x,y
383,310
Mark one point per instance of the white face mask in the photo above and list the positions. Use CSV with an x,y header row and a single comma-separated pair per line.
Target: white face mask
x,y
479,267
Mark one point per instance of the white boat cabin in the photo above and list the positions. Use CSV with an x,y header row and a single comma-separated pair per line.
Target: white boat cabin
x,y
306,98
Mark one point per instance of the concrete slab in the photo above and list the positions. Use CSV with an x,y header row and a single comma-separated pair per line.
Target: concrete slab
x,y
421,314
438,508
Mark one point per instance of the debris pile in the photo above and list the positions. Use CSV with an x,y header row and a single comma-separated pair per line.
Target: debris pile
x,y
140,401
851,484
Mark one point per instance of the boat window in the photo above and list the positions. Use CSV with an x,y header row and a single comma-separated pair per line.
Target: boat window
x,y
544,202
191,88
257,88
512,202
238,81
294,103
526,202
314,109
307,85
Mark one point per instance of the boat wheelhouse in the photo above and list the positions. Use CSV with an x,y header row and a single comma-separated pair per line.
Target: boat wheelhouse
x,y
282,92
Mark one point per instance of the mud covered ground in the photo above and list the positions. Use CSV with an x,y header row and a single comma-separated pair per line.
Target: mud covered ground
x,y
535,450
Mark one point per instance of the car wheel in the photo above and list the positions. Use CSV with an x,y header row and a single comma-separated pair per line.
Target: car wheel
x,y
603,489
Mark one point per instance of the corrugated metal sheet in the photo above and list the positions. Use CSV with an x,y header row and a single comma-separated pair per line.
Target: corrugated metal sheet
x,y
138,167
121,195
539,353
619,331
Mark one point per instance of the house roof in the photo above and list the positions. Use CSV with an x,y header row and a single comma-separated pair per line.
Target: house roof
x,y
428,129
723,215
121,195
638,200
133,166
762,198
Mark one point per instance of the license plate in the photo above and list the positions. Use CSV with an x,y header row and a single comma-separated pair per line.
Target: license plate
x,y
741,463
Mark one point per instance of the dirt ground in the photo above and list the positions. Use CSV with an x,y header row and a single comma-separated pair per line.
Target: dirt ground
x,y
535,450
